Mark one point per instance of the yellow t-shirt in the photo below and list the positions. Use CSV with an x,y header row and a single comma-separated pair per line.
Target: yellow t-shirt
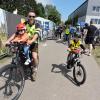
x,y
75,45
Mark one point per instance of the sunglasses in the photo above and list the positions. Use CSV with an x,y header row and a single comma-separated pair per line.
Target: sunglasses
x,y
21,30
32,16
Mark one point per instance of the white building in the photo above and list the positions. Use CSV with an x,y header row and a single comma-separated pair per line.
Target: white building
x,y
88,11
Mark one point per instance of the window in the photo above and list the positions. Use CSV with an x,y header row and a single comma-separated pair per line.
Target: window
x,y
99,21
96,8
95,21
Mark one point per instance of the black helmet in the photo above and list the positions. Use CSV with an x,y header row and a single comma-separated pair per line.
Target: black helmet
x,y
86,24
77,36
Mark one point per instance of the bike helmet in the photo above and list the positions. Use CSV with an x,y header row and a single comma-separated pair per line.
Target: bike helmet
x,y
20,26
77,35
86,24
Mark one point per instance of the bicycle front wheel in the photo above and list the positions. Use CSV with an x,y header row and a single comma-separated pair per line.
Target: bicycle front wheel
x,y
79,74
11,82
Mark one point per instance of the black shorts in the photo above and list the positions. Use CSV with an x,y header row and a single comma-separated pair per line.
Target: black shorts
x,y
34,47
89,40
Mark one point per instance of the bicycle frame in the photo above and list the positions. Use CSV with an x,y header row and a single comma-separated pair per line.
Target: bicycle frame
x,y
19,57
74,57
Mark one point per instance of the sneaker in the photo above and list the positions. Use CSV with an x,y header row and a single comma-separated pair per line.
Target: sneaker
x,y
69,67
35,69
33,77
27,62
89,54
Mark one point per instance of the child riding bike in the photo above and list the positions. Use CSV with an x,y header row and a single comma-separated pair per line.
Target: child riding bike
x,y
21,37
75,44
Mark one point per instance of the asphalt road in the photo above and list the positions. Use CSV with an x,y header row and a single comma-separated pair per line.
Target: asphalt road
x,y
55,82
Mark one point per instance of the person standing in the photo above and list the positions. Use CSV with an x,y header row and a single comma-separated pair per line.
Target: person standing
x,y
90,36
67,34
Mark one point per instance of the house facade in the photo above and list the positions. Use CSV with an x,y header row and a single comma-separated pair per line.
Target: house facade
x,y
88,11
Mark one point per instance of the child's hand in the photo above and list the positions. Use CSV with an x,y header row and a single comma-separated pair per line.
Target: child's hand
x,y
7,42
68,49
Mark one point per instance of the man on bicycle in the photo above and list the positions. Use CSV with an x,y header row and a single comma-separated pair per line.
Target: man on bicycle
x,y
74,45
33,30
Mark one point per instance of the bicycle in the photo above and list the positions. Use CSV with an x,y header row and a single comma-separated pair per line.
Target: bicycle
x,y
16,73
79,72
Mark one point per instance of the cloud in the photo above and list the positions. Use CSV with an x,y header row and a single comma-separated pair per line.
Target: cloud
x,y
44,2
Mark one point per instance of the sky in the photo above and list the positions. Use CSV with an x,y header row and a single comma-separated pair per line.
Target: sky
x,y
65,7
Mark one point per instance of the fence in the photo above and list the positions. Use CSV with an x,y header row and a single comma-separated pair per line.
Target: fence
x,y
8,22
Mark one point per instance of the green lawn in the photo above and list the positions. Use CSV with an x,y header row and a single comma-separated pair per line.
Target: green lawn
x,y
96,54
3,39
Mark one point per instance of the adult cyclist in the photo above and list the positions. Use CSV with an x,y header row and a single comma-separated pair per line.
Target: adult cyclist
x,y
33,30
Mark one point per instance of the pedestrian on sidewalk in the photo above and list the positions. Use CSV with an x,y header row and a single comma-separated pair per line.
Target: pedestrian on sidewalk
x,y
90,36
67,34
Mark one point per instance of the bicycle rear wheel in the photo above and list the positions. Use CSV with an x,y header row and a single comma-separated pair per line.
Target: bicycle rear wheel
x,y
79,74
11,82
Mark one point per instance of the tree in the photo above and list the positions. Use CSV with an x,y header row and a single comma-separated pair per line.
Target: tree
x,y
41,10
68,22
53,14
23,6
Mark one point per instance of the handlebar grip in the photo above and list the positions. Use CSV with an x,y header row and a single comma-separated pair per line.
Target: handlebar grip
x,y
7,45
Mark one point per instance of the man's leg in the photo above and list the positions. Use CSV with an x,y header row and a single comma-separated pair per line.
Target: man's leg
x,y
35,64
35,59
90,49
60,35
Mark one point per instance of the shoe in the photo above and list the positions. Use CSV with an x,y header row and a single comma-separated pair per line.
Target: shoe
x,y
89,54
35,69
27,62
68,67
33,77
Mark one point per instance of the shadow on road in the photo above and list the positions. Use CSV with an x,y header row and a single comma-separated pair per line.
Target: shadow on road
x,y
64,71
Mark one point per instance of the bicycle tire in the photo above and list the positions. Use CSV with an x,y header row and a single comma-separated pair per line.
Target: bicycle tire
x,y
84,74
22,80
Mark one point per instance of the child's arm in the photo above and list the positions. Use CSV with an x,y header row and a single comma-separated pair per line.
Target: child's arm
x,y
24,38
11,38
33,39
82,46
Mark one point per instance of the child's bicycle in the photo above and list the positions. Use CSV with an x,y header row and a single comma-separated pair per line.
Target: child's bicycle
x,y
73,61
13,76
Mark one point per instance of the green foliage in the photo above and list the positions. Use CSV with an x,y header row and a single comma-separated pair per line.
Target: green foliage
x,y
68,22
3,39
41,10
23,6
53,14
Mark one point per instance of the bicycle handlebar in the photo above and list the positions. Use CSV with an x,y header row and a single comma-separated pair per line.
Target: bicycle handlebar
x,y
76,51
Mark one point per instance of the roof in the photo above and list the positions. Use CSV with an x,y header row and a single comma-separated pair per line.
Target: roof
x,y
79,7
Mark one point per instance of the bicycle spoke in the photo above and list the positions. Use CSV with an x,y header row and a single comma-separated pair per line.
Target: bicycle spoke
x,y
12,83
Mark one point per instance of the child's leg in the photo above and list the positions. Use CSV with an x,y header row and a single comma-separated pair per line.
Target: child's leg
x,y
26,51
